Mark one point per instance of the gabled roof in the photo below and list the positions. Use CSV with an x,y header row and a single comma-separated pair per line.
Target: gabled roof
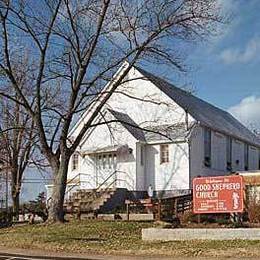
x,y
205,113
176,133
129,124
105,149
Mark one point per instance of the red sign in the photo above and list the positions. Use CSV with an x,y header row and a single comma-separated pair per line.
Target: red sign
x,y
222,194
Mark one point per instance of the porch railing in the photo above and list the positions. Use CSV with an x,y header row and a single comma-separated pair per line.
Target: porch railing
x,y
104,186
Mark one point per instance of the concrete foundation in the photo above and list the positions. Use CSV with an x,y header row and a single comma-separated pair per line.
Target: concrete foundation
x,y
109,217
121,216
163,234
138,217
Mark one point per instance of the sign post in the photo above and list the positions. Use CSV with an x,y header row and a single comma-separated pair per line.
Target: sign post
x,y
222,194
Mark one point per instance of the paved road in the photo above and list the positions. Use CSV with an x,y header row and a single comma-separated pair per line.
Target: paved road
x,y
7,256
4,256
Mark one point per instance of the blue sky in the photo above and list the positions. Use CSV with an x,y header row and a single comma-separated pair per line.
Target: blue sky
x,y
226,70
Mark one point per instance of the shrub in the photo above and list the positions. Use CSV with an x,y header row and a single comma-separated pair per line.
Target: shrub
x,y
187,217
253,203
6,219
253,210
37,207
190,217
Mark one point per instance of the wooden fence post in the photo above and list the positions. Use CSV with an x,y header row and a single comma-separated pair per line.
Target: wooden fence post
x,y
159,210
176,207
127,212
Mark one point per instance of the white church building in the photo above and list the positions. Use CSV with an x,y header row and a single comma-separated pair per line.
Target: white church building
x,y
161,136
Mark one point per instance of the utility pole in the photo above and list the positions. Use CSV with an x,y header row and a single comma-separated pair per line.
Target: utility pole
x,y
1,171
6,189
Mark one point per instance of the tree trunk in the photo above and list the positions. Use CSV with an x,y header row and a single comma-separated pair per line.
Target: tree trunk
x,y
55,211
16,204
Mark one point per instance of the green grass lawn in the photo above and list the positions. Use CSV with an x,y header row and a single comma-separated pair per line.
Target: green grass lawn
x,y
115,238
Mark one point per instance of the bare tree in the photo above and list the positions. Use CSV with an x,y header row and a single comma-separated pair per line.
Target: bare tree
x,y
76,46
17,134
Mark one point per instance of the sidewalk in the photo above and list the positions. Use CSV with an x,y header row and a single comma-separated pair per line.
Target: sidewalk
x,y
25,254
41,254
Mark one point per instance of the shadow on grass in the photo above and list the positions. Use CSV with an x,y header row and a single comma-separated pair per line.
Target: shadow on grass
x,y
90,239
66,239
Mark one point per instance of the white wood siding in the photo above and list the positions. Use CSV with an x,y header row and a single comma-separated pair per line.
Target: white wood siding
x,y
140,168
218,155
253,158
145,103
173,175
238,155
197,167
218,151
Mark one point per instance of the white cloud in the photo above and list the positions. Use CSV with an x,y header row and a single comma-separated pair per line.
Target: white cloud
x,y
238,55
248,111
